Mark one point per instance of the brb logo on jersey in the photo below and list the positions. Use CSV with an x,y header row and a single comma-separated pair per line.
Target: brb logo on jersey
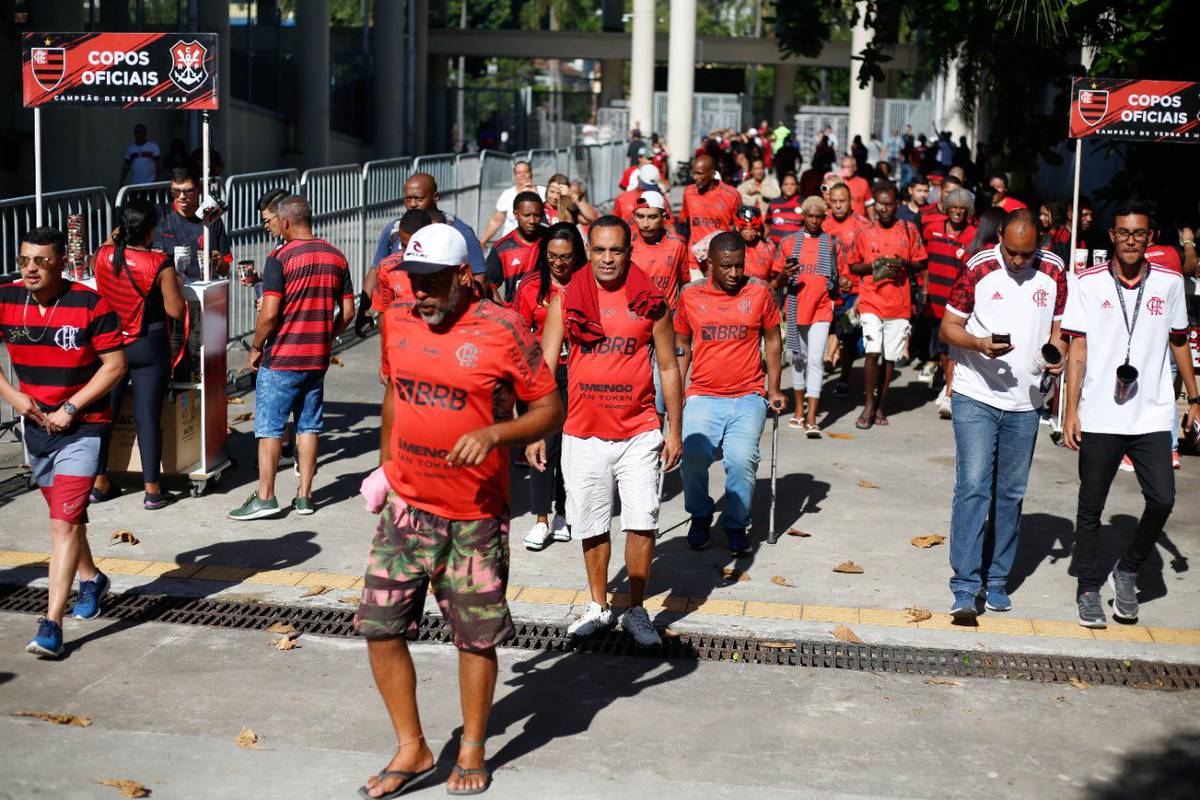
x,y
1155,306
723,333
1040,298
1093,105
187,66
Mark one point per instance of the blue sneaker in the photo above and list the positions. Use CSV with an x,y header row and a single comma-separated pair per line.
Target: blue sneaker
x,y
997,599
48,642
739,542
964,606
698,532
87,604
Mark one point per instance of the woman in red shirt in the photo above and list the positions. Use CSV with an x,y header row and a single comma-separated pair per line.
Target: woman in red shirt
x,y
143,288
560,254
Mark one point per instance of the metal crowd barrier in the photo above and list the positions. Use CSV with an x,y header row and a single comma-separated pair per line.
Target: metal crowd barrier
x,y
158,193
336,197
383,197
19,214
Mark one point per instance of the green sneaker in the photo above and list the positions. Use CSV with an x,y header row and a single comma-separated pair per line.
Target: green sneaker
x,y
254,508
303,505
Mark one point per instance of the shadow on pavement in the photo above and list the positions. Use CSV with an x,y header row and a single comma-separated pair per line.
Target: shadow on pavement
x,y
1170,770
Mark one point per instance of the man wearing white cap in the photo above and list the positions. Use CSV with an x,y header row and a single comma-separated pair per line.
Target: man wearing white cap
x,y
648,180
454,364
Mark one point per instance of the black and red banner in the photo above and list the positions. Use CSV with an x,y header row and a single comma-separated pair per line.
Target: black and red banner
x,y
1135,111
125,70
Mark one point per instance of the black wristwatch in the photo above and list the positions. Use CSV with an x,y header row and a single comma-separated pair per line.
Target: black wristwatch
x,y
1194,401
70,408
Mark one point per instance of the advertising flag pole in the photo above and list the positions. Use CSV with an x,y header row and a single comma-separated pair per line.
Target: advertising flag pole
x,y
205,263
37,163
1062,379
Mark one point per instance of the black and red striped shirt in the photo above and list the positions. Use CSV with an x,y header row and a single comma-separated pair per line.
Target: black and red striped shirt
x,y
133,292
55,354
311,277
784,218
511,259
947,255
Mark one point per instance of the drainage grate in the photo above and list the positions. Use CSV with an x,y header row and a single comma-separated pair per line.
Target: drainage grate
x,y
137,608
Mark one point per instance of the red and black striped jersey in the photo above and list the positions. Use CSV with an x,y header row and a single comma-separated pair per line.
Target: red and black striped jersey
x,y
310,276
947,255
55,354
784,218
511,259
133,292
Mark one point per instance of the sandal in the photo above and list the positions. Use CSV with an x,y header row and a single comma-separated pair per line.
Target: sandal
x,y
460,772
409,778
881,419
811,430
864,422
795,422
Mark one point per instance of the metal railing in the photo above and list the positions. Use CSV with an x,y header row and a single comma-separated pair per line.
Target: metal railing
x,y
158,193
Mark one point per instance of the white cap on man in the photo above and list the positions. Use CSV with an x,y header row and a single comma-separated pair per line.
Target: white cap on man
x,y
651,199
434,248
648,174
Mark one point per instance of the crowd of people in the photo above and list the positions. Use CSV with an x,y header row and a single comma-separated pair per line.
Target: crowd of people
x,y
610,348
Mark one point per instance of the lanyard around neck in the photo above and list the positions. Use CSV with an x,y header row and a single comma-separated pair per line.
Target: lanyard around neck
x,y
1137,306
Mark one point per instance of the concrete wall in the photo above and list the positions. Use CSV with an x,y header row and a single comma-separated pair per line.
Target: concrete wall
x,y
258,139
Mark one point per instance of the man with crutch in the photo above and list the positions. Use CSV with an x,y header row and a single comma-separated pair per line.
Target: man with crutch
x,y
719,323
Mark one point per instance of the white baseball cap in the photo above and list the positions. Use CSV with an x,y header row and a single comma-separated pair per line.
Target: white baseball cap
x,y
651,199
648,174
434,248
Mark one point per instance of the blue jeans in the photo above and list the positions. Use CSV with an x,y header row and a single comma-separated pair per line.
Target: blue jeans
x,y
734,424
994,449
283,393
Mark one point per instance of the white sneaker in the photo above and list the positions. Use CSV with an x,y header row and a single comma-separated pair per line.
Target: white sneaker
x,y
1126,464
538,536
636,622
927,373
560,530
944,407
594,620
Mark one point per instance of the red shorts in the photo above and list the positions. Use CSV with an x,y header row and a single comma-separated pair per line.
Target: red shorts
x,y
65,476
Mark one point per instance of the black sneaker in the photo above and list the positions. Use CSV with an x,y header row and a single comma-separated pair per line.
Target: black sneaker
x,y
698,532
739,541
153,502
1091,610
1125,604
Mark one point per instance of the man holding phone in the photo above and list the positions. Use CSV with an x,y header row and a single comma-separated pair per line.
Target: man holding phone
x,y
1006,305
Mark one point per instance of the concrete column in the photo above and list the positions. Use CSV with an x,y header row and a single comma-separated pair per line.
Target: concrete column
x,y
421,101
312,43
681,66
641,66
860,97
214,18
438,123
612,81
950,116
785,93
387,50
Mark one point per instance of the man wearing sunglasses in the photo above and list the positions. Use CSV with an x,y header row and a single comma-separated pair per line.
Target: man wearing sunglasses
x,y
180,226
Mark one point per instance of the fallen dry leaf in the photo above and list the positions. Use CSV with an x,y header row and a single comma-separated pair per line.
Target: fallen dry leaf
x,y
846,635
247,739
926,542
57,719
779,580
244,416
866,484
127,788
122,536
1078,683
315,590
236,401
668,633
286,643
918,614
942,682
733,574
335,360
281,627
848,567
797,532
778,645
840,435
351,598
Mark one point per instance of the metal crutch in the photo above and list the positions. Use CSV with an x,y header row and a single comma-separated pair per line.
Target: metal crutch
x,y
772,533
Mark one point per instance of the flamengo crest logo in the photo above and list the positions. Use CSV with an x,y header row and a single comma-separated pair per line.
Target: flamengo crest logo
x,y
467,355
65,336
1093,105
49,66
187,66
1155,306
1040,297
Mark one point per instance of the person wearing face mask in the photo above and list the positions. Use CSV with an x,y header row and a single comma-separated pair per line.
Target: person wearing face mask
x,y
860,190
179,226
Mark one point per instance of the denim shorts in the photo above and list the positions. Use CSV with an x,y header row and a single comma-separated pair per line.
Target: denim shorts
x,y
283,393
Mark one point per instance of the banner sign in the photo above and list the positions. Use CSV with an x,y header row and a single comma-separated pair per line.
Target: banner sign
x,y
1135,111
123,70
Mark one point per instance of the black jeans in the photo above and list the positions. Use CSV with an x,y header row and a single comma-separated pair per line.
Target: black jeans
x,y
149,360
546,489
1099,458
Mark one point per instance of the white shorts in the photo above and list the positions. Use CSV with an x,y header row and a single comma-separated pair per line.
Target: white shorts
x,y
887,336
590,466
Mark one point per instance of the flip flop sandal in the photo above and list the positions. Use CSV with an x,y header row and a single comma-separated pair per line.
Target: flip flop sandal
x,y
864,423
812,431
410,779
795,422
461,773
881,420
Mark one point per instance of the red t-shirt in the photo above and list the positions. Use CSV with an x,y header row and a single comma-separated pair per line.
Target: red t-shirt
x,y
310,276
1010,203
134,293
713,210
890,299
511,260
947,255
667,264
626,204
610,387
725,331
813,303
860,193
760,261
448,382
1165,256
845,230
391,283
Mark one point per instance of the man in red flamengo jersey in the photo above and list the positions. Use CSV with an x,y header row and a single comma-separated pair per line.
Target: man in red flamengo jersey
x,y
455,364
718,326
760,253
661,255
844,225
946,243
860,190
627,201
612,433
64,343
708,204
886,254
515,256
304,281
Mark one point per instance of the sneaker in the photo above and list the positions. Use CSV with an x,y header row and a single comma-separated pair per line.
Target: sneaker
x,y
1126,464
963,607
538,536
1091,610
927,373
254,508
997,599
739,542
1124,584
560,529
48,642
636,622
303,505
944,409
594,620
87,604
698,532
97,496
1175,463
153,502
841,388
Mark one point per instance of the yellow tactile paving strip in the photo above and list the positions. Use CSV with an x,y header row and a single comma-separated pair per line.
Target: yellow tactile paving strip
x,y
722,607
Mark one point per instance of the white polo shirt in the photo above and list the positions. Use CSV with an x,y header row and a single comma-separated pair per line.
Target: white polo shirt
x,y
1025,305
505,203
1094,311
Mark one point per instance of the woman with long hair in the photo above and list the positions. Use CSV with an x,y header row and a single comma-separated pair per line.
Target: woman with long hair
x,y
142,286
560,254
987,232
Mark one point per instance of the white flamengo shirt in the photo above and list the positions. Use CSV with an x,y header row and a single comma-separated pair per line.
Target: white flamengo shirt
x,y
1023,304
1094,312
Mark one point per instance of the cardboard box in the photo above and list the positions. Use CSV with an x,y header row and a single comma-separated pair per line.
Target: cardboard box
x,y
181,435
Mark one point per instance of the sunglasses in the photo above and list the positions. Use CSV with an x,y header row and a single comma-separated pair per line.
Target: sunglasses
x,y
181,192
41,261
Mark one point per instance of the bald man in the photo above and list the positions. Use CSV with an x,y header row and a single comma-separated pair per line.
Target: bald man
x,y
420,191
709,206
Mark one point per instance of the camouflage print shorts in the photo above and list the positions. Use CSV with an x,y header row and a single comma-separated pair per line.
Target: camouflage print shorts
x,y
466,561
